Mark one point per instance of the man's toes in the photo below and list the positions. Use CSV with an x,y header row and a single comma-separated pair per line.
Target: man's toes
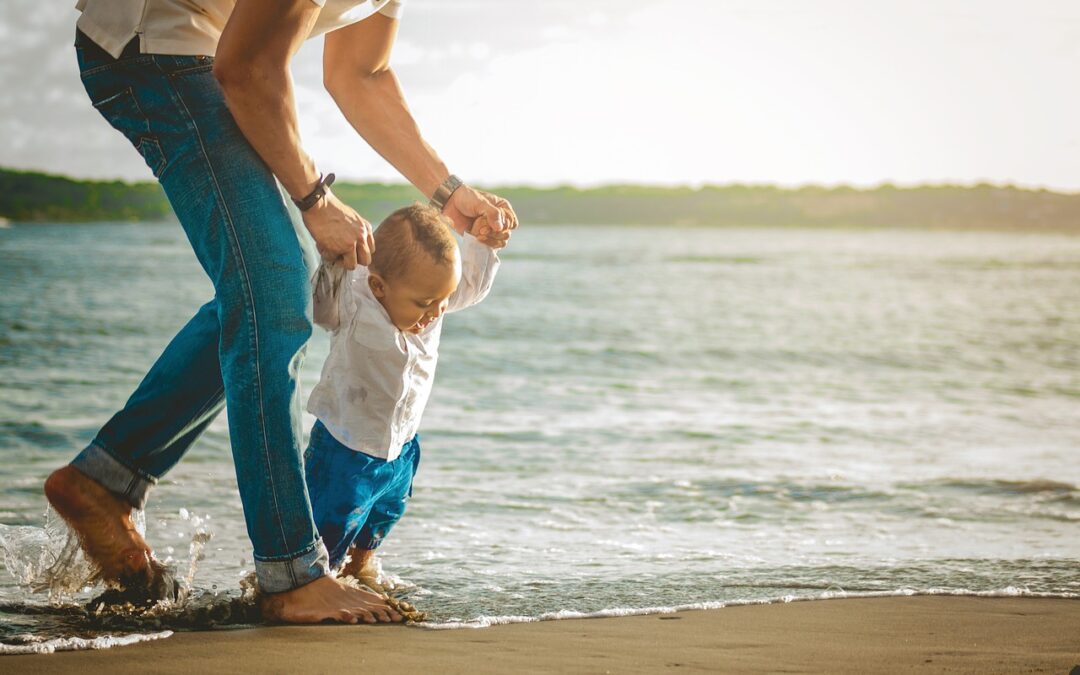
x,y
345,616
364,615
381,615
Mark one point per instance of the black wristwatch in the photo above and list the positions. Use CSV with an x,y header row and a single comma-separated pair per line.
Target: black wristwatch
x,y
315,195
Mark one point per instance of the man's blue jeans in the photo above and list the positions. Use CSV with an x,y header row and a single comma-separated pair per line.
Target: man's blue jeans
x,y
245,346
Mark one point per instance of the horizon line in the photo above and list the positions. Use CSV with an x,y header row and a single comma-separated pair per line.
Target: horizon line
x,y
693,186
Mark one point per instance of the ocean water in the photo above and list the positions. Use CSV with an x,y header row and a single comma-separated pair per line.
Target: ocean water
x,y
636,418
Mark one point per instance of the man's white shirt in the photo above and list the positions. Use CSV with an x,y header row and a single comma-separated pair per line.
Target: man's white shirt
x,y
183,27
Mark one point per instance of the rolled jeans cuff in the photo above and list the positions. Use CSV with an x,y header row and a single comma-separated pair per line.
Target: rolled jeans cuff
x,y
129,484
279,575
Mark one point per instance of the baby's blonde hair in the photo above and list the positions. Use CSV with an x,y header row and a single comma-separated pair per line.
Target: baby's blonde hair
x,y
406,232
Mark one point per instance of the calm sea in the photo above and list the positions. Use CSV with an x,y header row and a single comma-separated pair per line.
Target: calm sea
x,y
635,418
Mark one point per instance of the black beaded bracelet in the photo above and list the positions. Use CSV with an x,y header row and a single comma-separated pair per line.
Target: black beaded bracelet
x,y
315,195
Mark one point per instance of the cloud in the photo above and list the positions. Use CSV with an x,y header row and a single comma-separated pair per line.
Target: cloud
x,y
45,118
732,90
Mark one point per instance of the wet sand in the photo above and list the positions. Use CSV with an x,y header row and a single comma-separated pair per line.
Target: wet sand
x,y
928,634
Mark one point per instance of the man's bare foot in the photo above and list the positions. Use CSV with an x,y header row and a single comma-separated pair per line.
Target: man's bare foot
x,y
327,599
107,534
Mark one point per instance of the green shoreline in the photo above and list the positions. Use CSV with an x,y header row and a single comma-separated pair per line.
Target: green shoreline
x,y
27,196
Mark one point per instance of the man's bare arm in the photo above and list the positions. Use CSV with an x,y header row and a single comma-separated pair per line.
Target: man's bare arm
x,y
357,73
252,66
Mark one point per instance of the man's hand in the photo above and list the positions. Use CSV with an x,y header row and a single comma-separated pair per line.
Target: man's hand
x,y
468,204
340,233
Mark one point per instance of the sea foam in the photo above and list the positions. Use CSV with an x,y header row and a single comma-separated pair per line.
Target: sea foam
x,y
488,621
67,644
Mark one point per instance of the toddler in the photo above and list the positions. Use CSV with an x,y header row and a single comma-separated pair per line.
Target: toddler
x,y
385,320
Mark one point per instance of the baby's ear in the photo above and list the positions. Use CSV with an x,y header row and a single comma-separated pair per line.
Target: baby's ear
x,y
376,284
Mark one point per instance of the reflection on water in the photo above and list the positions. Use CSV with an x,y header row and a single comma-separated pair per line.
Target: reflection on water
x,y
634,418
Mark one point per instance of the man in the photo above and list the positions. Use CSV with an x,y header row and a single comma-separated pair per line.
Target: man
x,y
203,92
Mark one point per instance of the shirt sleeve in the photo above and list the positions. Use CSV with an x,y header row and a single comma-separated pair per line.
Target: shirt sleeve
x,y
392,9
327,295
479,263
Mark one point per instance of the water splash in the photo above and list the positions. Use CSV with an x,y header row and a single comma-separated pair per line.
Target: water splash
x,y
200,536
47,559
50,560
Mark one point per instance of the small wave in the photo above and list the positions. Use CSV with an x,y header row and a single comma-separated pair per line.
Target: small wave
x,y
834,593
999,264
1038,487
782,491
717,259
34,434
1016,486
68,644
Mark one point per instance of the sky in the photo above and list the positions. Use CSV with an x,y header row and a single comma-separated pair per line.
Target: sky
x,y
790,92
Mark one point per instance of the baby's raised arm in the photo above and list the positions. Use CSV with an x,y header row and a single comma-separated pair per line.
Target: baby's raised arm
x,y
479,263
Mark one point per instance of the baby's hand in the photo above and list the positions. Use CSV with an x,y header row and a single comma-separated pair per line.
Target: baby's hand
x,y
487,235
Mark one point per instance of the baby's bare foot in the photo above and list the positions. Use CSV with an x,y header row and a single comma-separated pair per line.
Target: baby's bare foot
x,y
362,567
325,599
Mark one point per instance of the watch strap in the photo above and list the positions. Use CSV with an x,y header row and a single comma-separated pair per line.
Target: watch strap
x,y
325,181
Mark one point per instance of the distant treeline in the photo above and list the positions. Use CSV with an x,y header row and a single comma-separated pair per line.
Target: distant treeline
x,y
27,196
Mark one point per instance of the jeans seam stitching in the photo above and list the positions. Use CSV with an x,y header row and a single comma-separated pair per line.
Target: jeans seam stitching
x,y
140,60
201,68
137,472
209,402
253,320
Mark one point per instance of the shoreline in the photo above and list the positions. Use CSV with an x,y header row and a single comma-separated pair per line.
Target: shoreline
x,y
843,635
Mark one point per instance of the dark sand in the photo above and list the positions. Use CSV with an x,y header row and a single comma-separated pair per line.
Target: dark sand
x,y
866,635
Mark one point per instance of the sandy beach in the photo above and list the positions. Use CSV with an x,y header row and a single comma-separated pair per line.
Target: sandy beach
x,y
927,633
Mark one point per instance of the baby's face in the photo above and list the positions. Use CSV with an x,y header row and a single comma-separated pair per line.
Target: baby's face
x,y
415,299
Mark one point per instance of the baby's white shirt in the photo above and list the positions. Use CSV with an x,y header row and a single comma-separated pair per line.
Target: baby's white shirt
x,y
377,379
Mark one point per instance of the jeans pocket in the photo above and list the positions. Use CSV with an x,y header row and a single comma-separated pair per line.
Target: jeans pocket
x,y
122,111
